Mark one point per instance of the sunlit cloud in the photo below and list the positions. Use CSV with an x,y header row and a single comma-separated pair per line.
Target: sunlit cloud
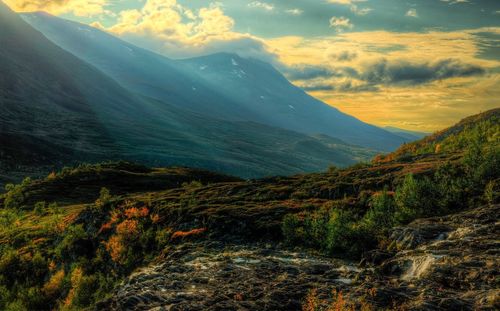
x,y
76,7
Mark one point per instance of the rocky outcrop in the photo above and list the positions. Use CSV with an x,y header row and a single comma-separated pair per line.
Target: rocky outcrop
x,y
444,263
215,276
441,263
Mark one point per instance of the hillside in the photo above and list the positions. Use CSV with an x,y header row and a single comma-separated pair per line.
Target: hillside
x,y
223,86
471,132
417,232
58,110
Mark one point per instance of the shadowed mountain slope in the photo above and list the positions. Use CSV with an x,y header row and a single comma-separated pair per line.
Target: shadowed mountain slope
x,y
221,85
58,109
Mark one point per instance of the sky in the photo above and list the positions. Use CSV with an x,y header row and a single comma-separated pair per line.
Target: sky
x,y
414,64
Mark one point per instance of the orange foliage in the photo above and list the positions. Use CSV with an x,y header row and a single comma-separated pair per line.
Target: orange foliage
x,y
155,218
52,175
105,227
312,301
76,277
115,216
238,297
115,248
54,285
128,228
135,212
184,234
52,265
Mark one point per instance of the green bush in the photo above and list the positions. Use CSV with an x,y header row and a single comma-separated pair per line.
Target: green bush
x,y
14,198
415,198
381,216
39,208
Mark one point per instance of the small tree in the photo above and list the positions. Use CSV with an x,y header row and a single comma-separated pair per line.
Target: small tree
x,y
415,198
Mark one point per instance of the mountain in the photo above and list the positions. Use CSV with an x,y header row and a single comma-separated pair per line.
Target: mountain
x,y
57,109
222,85
418,233
406,134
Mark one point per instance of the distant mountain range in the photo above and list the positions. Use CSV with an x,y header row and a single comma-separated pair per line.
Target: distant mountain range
x,y
85,95
408,135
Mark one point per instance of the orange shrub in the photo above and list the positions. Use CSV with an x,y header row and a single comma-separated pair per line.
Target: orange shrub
x,y
135,212
115,248
155,218
312,301
128,228
105,227
184,234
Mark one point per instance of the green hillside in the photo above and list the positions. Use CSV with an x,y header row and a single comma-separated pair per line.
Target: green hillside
x,y
67,240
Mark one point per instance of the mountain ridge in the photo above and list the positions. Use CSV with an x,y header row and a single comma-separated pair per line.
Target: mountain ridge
x,y
216,85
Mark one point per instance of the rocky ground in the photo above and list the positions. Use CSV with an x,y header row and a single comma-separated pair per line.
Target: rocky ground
x,y
442,263
215,276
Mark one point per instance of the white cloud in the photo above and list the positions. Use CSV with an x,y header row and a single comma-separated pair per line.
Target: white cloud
x,y
295,12
412,13
352,4
261,5
360,11
340,23
346,2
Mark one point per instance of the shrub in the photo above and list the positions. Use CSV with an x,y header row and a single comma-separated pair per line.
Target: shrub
x,y
292,229
39,208
415,198
492,192
104,198
14,197
54,286
380,217
74,243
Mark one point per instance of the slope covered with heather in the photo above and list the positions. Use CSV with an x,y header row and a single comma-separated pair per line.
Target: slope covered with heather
x,y
409,232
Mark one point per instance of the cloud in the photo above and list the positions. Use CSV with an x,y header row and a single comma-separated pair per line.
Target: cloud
x,y
412,13
261,5
340,23
295,11
344,56
346,2
360,11
170,28
353,6
82,8
306,72
404,73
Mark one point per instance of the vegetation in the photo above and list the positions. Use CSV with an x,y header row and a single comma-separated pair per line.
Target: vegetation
x,y
66,240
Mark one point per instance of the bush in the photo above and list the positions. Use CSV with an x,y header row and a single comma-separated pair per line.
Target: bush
x,y
333,231
414,199
39,208
380,217
104,198
14,197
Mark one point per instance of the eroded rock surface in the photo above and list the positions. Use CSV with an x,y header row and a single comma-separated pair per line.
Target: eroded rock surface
x,y
215,276
441,263
444,263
